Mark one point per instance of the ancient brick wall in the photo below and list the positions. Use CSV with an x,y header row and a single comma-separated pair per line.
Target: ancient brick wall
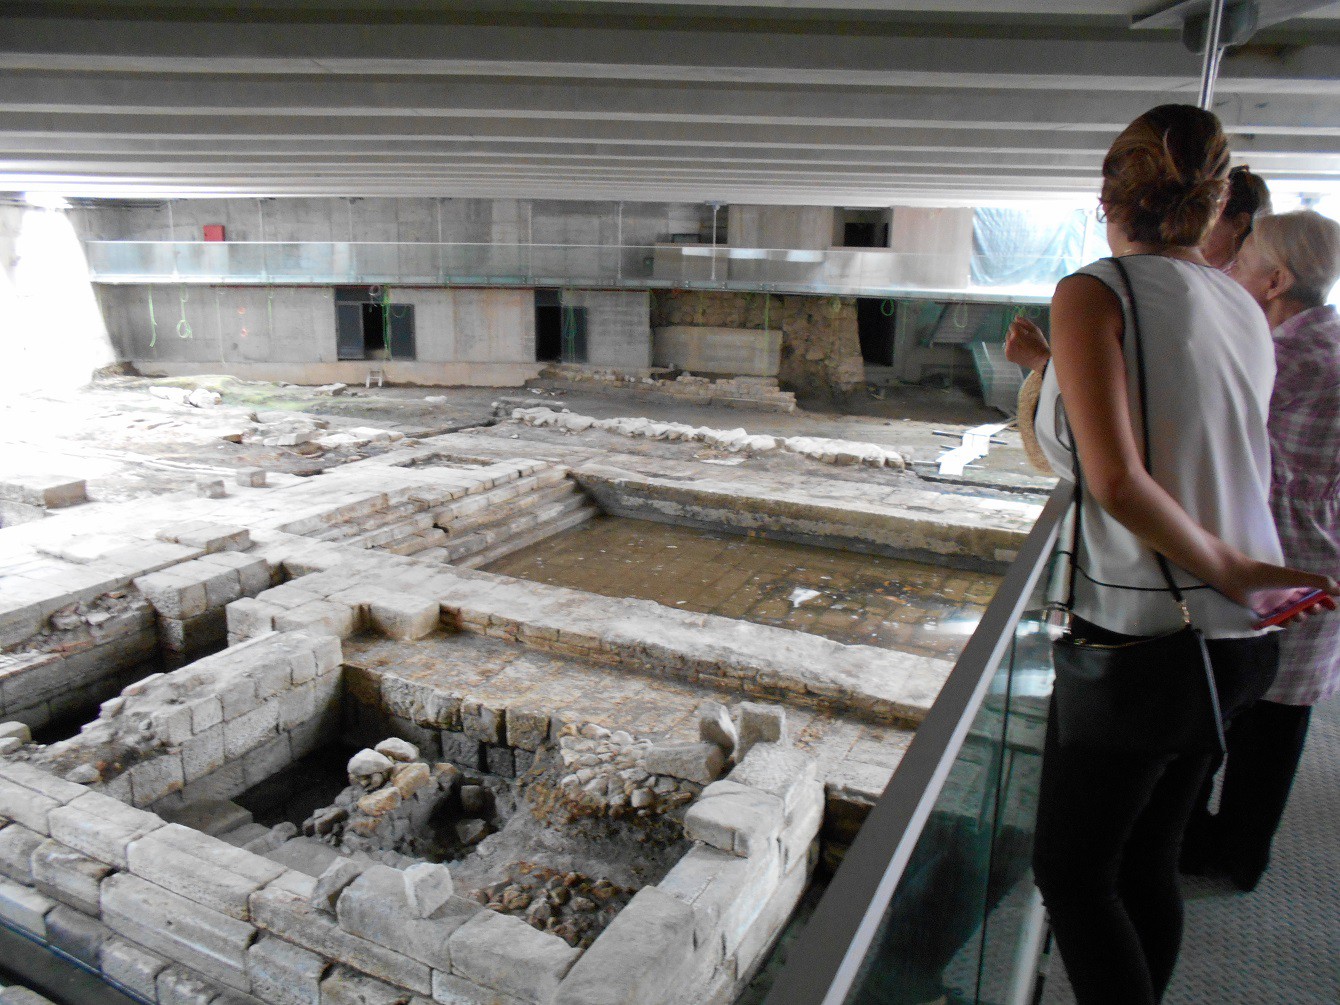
x,y
821,350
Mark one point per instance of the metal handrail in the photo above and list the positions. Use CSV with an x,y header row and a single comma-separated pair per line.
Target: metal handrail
x,y
824,963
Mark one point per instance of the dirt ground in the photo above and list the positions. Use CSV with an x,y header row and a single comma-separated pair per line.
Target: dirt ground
x,y
126,442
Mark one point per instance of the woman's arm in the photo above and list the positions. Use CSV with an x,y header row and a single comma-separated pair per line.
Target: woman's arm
x,y
1091,372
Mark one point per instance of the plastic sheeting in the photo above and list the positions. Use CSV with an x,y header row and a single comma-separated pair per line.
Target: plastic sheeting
x,y
1033,246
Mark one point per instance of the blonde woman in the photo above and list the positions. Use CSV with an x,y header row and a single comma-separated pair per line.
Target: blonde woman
x,y
1289,266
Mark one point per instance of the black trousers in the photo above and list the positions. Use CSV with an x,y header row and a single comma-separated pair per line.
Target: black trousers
x,y
1265,744
1108,838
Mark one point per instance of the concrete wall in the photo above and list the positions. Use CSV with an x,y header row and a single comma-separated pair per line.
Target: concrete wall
x,y
463,336
938,243
783,227
618,326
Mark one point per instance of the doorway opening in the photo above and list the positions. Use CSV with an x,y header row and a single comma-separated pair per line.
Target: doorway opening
x,y
560,330
369,326
876,323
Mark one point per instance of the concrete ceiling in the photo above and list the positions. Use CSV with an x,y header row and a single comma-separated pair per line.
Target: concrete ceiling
x,y
820,101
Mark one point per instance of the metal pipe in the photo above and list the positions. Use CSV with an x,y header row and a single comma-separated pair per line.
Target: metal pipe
x,y
1209,70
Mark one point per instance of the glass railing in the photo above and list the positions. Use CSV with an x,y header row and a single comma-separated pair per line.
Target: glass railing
x,y
834,271
935,900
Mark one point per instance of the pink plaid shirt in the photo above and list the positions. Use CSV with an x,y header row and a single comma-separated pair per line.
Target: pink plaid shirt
x,y
1305,491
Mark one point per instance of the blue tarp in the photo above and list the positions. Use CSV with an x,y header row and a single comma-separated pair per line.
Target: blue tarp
x,y
1036,246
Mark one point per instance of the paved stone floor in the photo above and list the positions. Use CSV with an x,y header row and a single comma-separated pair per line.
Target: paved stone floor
x,y
849,598
855,758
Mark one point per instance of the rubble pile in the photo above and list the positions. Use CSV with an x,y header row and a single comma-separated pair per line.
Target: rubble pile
x,y
306,434
571,905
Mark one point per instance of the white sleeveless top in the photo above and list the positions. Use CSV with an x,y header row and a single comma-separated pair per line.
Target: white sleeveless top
x,y
1210,368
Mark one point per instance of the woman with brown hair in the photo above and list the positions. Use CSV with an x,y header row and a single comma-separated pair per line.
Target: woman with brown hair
x,y
1154,347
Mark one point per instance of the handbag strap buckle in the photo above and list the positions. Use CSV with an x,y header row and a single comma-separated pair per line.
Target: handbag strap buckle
x,y
1059,616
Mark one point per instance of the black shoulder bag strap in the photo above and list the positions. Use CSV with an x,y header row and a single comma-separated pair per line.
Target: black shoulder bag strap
x,y
1164,568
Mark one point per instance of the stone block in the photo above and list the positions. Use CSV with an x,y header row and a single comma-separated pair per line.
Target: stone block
x,y
178,986
735,818
249,617
297,706
203,939
173,595
694,762
211,488
237,698
319,616
462,750
251,730
448,989
101,827
403,616
284,974
68,876
397,749
333,881
638,958
25,806
193,635
172,724
222,588
273,674
482,721
201,868
17,844
267,760
206,713
760,724
526,729
202,754
782,771
252,478
17,995
17,731
715,726
763,932
803,826
283,908
504,953
498,760
208,537
77,934
133,967
376,907
25,908
156,777
346,987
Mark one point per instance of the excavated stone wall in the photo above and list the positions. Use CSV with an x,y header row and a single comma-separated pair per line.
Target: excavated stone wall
x,y
821,349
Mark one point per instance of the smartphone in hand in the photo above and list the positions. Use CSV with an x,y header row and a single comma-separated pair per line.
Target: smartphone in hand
x,y
1284,612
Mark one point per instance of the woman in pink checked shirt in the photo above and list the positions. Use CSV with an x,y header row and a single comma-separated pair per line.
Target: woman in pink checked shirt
x,y
1289,265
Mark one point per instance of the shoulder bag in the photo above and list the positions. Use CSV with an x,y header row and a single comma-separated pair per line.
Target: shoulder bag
x,y
1151,695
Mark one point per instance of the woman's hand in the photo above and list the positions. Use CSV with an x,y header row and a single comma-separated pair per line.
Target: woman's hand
x,y
1026,345
1265,588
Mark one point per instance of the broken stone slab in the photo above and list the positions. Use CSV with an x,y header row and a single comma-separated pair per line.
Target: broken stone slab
x,y
760,724
715,726
331,883
526,729
376,907
694,762
304,855
43,491
211,488
782,771
427,887
504,953
639,959
735,818
27,909
252,478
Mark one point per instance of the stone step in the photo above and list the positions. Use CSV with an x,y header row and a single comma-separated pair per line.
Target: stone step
x,y
392,533
576,516
511,524
480,502
513,509
433,538
350,529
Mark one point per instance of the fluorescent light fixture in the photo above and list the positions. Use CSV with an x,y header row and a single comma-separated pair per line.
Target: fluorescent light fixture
x,y
45,200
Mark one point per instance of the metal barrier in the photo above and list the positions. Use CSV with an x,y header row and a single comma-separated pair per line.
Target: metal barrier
x,y
836,271
935,896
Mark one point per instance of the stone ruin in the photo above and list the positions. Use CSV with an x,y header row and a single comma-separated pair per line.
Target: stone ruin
x,y
610,868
